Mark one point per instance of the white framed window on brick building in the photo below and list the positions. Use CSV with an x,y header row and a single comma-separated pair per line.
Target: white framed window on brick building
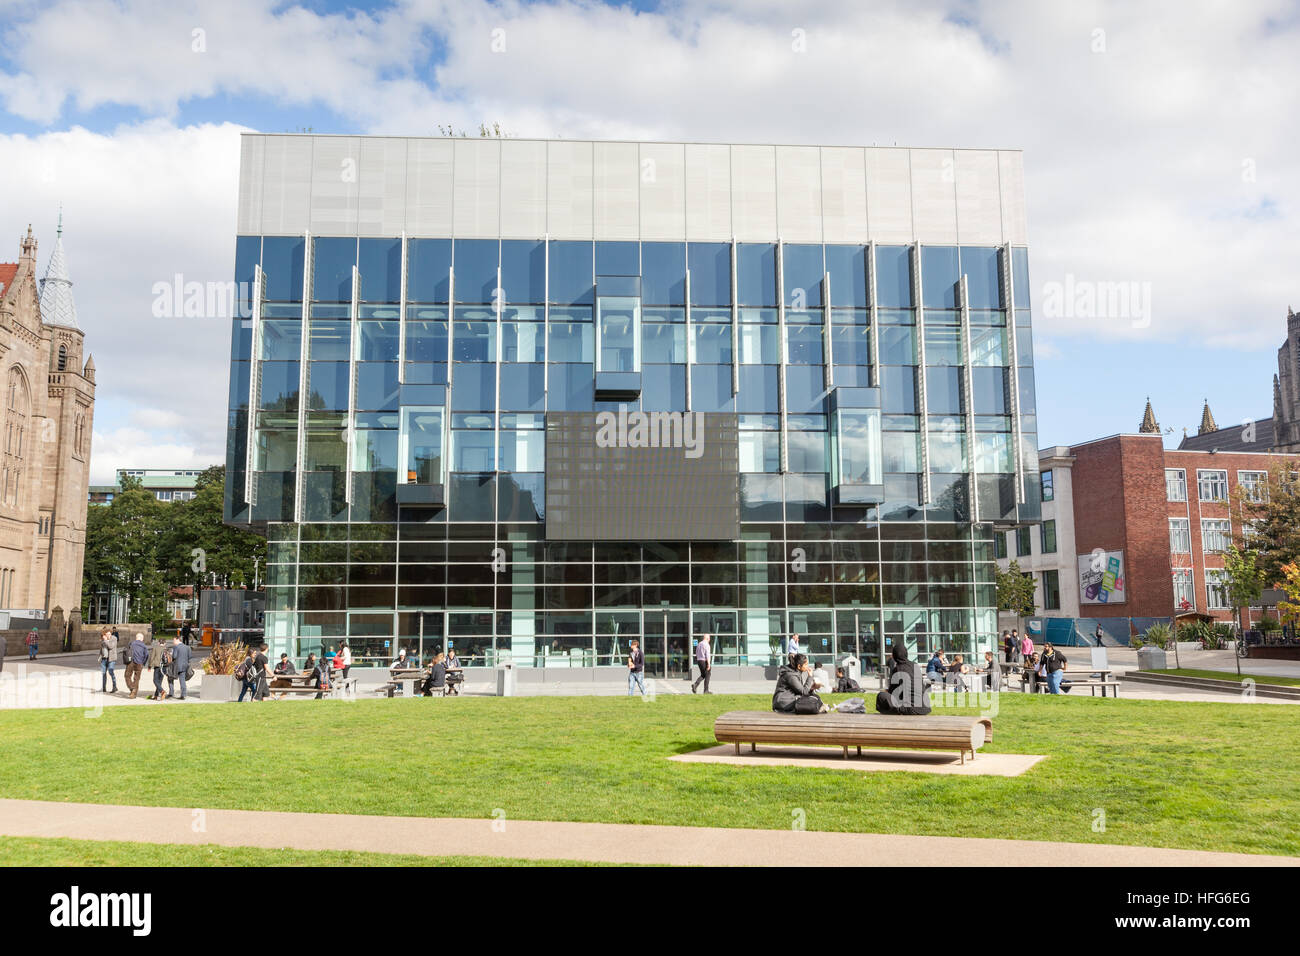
x,y
1216,590
1183,588
1212,484
1175,484
1216,534
1180,536
1254,484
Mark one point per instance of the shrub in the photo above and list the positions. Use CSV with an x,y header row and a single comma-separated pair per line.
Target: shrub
x,y
1136,640
1158,634
1269,624
224,659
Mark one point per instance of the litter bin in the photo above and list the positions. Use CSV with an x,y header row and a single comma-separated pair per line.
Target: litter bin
x,y
505,680
1151,658
852,667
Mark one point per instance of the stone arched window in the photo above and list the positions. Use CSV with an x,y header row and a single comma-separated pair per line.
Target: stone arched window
x,y
63,358
18,406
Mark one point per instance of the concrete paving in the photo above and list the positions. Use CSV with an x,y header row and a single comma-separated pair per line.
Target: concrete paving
x,y
824,758
73,680
599,842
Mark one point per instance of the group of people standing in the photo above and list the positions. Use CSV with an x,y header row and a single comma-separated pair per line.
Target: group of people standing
x,y
170,661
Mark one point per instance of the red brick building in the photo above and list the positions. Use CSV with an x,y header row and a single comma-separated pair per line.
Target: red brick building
x,y
1169,513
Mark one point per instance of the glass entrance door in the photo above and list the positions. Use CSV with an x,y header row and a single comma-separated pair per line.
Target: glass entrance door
x,y
721,626
667,655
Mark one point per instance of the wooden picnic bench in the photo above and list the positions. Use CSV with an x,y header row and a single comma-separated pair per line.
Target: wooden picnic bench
x,y
945,732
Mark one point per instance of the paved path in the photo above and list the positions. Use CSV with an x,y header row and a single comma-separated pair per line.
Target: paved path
x,y
613,843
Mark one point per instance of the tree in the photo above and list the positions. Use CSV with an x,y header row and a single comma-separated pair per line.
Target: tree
x,y
1015,590
141,547
1274,515
1243,581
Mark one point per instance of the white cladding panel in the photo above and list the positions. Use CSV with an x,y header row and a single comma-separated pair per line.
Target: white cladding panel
x,y
889,195
485,188
753,192
252,155
934,196
334,177
523,188
708,193
286,184
381,187
663,191
617,191
428,187
844,194
569,189
979,207
1011,179
799,193
476,189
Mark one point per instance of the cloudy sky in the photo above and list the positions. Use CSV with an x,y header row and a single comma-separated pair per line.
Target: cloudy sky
x,y
1160,152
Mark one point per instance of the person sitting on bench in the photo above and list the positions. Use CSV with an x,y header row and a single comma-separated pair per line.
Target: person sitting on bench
x,y
794,689
907,694
437,679
956,672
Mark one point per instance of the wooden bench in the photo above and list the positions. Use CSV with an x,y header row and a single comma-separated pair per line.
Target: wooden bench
x,y
1103,683
945,732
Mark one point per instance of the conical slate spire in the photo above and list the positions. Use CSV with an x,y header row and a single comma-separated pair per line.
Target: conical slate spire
x,y
57,307
1207,421
1149,424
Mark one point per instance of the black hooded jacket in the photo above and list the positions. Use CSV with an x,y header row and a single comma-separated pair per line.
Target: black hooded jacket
x,y
907,691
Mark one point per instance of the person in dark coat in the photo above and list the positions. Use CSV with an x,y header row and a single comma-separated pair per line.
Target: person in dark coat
x,y
437,679
794,689
907,694
1008,646
180,655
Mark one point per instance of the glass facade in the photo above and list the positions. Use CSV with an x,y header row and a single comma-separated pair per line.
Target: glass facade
x,y
388,405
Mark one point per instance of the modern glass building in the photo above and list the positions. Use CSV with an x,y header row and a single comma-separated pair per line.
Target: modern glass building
x,y
432,328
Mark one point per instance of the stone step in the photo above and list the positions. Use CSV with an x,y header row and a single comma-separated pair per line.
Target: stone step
x,y
1226,685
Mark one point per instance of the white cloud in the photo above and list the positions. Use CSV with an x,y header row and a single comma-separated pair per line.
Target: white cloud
x,y
1165,157
129,447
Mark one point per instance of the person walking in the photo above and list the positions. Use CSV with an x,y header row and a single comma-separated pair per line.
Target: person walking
x,y
260,665
1026,646
155,662
33,642
344,659
1008,646
703,660
635,667
1053,665
180,655
187,632
137,656
1098,635
107,658
244,674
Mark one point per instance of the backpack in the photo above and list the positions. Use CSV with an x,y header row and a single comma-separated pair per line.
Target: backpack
x,y
241,672
854,705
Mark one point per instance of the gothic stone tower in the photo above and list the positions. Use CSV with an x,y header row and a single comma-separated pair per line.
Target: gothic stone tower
x,y
1286,389
49,404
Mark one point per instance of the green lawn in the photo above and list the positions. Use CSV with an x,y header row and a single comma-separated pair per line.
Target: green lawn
x,y
1230,675
1191,775
45,851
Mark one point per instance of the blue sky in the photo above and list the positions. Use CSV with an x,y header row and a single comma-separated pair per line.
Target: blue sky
x,y
1157,139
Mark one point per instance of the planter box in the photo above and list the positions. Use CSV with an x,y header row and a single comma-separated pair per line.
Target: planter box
x,y
218,687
